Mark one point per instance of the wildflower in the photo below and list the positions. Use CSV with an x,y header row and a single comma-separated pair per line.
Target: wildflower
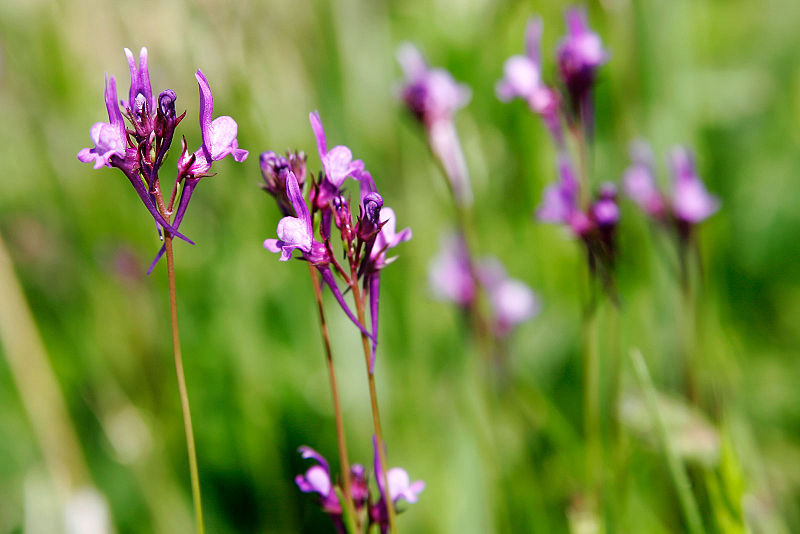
x,y
691,202
140,96
522,78
640,184
337,162
433,97
512,302
112,149
560,200
579,55
449,275
317,479
272,166
399,488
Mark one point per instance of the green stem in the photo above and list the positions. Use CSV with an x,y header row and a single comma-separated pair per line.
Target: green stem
x,y
591,395
340,436
691,511
373,397
187,415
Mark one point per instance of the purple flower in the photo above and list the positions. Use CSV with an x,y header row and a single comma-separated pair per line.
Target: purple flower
x,y
400,488
522,78
337,162
560,200
109,137
430,94
449,274
293,232
317,479
580,53
691,202
433,96
219,136
387,238
140,95
272,166
640,184
512,301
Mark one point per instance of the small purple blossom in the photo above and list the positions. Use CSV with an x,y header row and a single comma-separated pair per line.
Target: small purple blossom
x,y
431,94
317,479
640,184
605,210
691,202
560,200
272,167
140,95
109,137
387,239
219,136
512,302
400,488
337,162
522,78
433,97
449,275
293,232
579,55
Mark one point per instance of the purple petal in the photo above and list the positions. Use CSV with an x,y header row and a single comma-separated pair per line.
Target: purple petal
x,y
298,202
411,61
307,452
445,144
449,274
221,137
206,111
319,133
272,245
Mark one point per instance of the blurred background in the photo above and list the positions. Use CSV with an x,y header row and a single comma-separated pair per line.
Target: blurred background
x,y
87,388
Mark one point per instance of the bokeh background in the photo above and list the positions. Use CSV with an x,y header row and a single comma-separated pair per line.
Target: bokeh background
x,y
720,76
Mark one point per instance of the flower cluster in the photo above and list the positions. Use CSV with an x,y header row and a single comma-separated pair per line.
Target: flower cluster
x,y
511,301
433,97
372,511
365,240
139,151
591,218
690,202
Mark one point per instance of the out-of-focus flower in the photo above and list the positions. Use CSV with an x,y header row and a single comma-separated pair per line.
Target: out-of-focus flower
x,y
522,78
640,184
430,94
449,274
580,53
433,97
560,200
691,202
605,211
512,301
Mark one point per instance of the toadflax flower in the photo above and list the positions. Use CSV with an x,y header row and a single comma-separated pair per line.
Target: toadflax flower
x,y
337,163
400,488
579,55
522,78
511,301
317,479
433,97
690,202
218,141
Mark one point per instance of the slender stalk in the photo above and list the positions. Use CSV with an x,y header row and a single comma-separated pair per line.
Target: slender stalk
x,y
187,415
343,457
688,503
591,412
373,397
687,323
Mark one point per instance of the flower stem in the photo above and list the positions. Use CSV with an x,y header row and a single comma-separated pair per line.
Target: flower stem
x,y
689,505
591,416
373,397
343,459
187,415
